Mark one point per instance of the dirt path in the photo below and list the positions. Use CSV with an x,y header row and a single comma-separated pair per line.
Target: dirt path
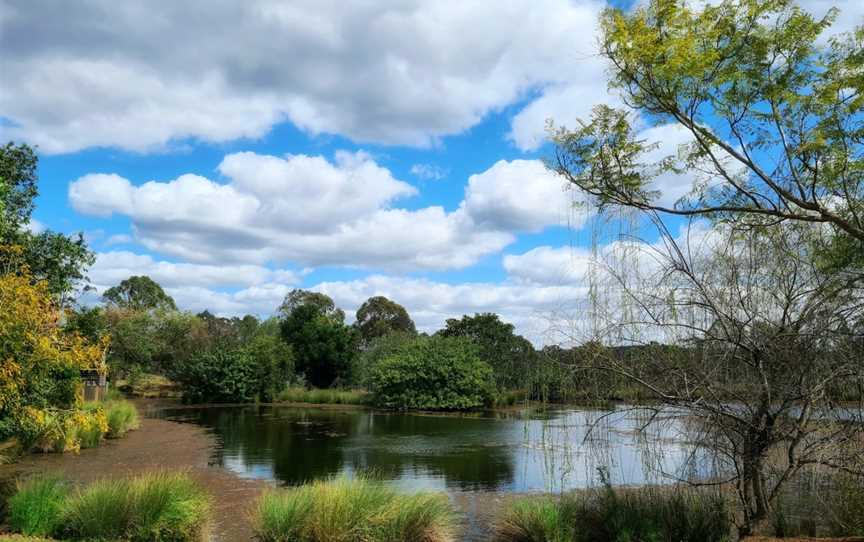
x,y
159,444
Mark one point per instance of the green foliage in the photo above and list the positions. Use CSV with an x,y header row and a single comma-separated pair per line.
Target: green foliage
x,y
324,346
122,417
510,355
274,362
650,514
218,375
772,140
139,293
351,510
159,506
54,258
374,352
296,394
89,322
379,316
37,507
434,373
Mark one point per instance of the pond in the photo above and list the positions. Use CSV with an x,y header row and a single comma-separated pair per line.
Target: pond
x,y
515,451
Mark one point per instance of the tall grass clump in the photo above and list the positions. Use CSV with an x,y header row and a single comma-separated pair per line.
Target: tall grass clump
x,y
158,506
352,510
658,515
316,396
153,507
122,417
37,507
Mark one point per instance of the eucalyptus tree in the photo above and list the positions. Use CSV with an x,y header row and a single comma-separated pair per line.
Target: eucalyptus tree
x,y
139,293
379,316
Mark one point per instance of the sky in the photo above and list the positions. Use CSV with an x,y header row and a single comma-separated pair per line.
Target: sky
x,y
234,151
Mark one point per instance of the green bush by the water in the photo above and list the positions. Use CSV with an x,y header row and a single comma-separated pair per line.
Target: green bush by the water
x,y
157,506
433,373
36,509
655,515
323,397
352,510
122,417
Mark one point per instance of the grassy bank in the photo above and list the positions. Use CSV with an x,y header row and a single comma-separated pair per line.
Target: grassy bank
x,y
352,510
606,515
151,507
324,396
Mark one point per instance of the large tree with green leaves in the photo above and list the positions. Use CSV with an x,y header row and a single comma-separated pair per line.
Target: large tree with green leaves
x,y
379,316
773,109
509,355
139,293
59,260
324,347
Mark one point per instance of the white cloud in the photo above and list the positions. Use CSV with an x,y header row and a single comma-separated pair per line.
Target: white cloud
x,y
429,172
522,195
408,72
550,265
311,212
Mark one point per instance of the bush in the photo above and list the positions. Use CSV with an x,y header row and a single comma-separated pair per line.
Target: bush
x,y
122,417
357,510
36,509
661,515
219,375
433,373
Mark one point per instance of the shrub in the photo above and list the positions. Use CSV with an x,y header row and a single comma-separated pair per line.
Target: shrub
x,y
122,417
351,510
661,515
36,509
158,506
219,375
433,373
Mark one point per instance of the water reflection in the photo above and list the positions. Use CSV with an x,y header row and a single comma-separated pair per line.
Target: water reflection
x,y
511,452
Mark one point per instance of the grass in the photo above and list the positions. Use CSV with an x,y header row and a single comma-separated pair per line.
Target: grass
x,y
122,417
510,397
36,509
608,516
158,507
323,396
351,510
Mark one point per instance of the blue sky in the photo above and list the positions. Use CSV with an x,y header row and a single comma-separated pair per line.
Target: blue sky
x,y
234,151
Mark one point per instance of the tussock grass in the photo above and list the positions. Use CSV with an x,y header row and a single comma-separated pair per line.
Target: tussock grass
x,y
122,417
323,396
351,510
37,507
153,507
608,516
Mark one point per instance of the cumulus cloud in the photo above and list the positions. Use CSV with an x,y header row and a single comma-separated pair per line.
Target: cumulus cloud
x,y
429,172
311,212
139,76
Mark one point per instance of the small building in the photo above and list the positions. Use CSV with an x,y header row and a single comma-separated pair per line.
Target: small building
x,y
95,384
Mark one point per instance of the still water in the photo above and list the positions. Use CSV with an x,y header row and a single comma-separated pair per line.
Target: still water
x,y
511,452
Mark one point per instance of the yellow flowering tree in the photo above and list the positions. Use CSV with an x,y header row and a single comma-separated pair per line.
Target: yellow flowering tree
x,y
40,382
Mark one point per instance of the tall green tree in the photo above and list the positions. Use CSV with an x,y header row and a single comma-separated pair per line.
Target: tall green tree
x,y
774,112
324,347
139,293
379,316
59,260
509,355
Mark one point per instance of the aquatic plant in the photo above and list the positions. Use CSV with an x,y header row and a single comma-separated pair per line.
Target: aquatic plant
x,y
297,394
352,510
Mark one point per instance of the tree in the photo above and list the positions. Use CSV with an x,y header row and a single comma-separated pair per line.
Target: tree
x,y
323,345
765,334
298,298
139,293
774,117
379,316
39,364
58,260
509,355
433,373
